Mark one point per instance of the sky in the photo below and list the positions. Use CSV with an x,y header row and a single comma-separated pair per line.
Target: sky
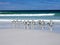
x,y
29,4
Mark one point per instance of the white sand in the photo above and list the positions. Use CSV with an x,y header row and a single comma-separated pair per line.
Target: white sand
x,y
28,37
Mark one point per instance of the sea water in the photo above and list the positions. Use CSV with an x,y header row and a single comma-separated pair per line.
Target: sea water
x,y
7,25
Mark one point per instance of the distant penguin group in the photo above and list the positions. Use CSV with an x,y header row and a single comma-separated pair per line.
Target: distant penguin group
x,y
32,22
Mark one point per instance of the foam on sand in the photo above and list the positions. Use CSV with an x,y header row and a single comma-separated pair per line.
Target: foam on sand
x,y
28,37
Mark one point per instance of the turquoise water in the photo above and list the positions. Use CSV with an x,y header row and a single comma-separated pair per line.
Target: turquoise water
x,y
56,12
31,17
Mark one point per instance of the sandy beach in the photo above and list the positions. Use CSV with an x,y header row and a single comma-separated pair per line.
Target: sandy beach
x,y
28,37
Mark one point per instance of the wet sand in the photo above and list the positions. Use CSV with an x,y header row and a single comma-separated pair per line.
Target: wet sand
x,y
28,37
